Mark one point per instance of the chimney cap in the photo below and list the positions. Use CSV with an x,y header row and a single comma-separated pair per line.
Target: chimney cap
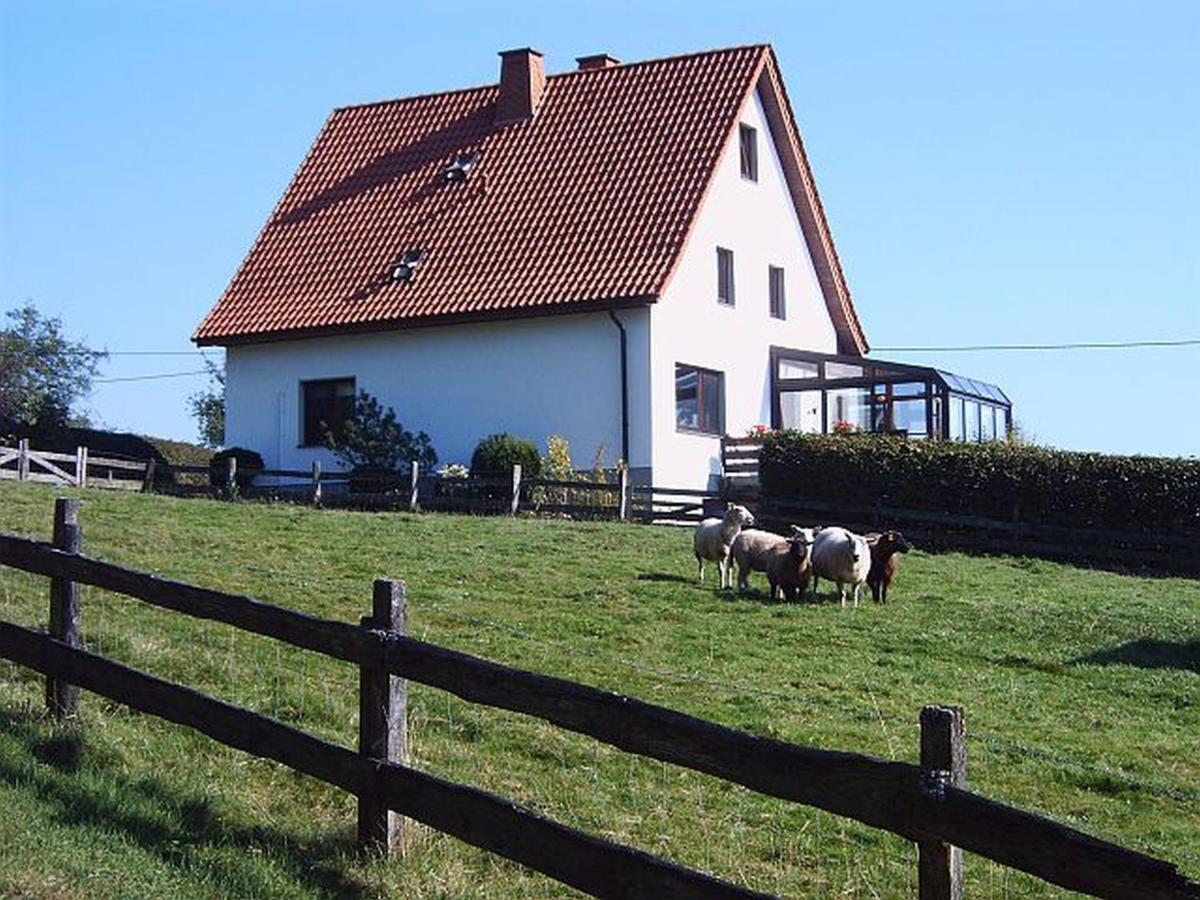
x,y
520,50
596,61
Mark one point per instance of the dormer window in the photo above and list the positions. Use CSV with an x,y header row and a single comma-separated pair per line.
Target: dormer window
x,y
458,170
749,146
403,268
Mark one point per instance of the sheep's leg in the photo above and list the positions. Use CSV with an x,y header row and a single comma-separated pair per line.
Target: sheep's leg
x,y
857,589
700,563
743,578
842,594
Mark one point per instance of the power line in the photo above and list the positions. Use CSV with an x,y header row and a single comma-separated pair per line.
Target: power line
x,y
1081,345
150,377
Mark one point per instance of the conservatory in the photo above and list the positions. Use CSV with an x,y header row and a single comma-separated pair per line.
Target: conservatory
x,y
819,393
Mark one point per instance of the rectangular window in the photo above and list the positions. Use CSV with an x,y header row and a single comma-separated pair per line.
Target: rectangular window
x,y
725,276
778,295
749,146
327,406
699,400
794,368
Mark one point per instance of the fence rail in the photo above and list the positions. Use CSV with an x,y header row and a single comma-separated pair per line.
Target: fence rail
x,y
921,803
80,469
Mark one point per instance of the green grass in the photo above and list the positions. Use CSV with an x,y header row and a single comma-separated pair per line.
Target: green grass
x,y
1081,690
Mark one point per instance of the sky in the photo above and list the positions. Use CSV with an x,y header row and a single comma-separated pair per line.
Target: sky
x,y
1001,173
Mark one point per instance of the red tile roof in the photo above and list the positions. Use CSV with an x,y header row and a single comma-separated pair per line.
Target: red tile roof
x,y
585,206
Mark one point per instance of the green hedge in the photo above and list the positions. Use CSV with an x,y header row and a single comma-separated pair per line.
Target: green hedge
x,y
1054,487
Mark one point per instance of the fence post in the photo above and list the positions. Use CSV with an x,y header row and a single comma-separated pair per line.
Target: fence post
x,y
148,483
382,731
23,459
231,476
516,489
316,480
414,482
624,501
61,698
943,762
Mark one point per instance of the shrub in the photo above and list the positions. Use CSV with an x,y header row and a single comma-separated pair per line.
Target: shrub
x,y
994,480
496,454
374,442
249,464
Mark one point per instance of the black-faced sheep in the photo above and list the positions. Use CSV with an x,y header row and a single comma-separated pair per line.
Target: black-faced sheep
x,y
884,561
842,557
714,538
753,547
789,566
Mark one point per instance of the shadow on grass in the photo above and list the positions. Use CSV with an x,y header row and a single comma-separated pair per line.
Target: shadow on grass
x,y
1146,653
83,787
664,576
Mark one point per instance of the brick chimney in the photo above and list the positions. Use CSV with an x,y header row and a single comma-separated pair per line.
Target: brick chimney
x,y
596,61
522,81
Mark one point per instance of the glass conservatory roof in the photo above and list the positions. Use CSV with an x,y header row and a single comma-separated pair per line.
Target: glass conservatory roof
x,y
963,385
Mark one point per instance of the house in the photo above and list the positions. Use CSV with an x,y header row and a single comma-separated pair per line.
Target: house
x,y
615,254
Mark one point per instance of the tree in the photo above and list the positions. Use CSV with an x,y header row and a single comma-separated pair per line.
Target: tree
x,y
42,374
373,439
208,407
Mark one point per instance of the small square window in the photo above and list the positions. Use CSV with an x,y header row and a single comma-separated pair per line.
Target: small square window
x,y
725,293
749,147
327,406
699,400
778,294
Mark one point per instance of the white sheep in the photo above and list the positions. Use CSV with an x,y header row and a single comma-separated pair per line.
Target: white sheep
x,y
790,565
713,540
843,557
753,547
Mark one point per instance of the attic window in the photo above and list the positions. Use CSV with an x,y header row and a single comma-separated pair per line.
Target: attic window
x,y
458,170
403,268
749,148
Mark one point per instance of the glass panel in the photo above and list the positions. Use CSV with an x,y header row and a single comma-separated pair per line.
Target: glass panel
x,y
971,414
987,423
956,418
801,410
711,403
936,415
687,398
842,370
908,389
794,368
848,410
909,416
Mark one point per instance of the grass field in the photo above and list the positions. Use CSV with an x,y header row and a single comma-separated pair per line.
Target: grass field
x,y
1081,690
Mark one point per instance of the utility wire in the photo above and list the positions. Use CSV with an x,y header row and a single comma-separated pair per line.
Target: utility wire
x,y
1080,345
154,377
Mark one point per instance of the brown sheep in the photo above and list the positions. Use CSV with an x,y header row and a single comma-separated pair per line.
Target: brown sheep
x,y
884,561
789,566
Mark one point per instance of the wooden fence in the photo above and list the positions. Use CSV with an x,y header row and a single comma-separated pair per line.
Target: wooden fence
x,y
926,803
81,469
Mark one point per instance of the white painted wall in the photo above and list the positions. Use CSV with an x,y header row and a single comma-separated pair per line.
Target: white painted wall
x,y
530,377
758,222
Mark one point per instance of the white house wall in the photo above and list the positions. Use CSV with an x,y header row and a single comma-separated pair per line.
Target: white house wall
x,y
758,222
529,377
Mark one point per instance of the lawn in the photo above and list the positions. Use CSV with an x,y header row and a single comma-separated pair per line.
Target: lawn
x,y
1081,690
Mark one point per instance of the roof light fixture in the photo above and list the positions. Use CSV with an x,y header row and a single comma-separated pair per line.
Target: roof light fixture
x,y
403,268
458,170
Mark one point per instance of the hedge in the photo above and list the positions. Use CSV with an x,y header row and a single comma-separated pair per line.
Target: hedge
x,y
995,480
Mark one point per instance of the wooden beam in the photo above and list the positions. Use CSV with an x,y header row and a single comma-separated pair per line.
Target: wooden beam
x,y
943,764
62,697
382,720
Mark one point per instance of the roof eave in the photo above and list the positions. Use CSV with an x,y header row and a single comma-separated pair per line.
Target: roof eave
x,y
598,305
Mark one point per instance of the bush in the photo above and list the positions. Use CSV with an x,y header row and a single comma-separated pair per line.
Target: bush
x,y
249,464
996,480
373,442
495,456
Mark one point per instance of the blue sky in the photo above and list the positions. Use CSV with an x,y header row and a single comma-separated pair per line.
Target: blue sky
x,y
1020,172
